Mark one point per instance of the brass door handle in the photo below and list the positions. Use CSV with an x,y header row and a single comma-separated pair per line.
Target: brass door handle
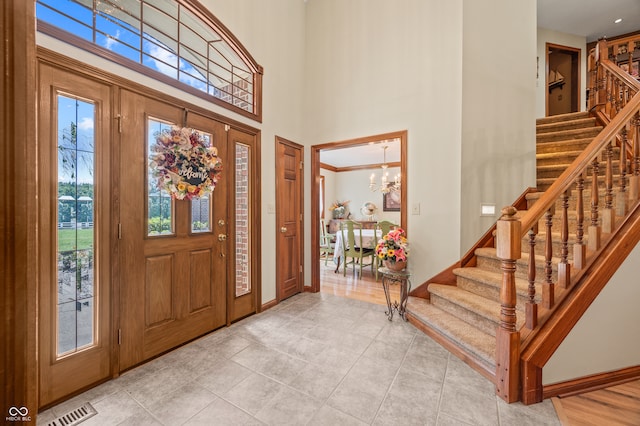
x,y
222,237
283,229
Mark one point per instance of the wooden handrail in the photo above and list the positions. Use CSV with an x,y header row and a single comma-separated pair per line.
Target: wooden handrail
x,y
568,177
616,101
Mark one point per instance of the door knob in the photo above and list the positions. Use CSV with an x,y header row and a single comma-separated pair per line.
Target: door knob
x,y
222,237
283,229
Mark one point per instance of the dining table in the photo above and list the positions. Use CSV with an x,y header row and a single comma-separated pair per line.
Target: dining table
x,y
370,238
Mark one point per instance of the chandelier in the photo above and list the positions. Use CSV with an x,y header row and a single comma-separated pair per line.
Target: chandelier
x,y
385,185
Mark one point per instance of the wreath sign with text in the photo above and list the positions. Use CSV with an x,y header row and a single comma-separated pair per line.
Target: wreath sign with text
x,y
184,164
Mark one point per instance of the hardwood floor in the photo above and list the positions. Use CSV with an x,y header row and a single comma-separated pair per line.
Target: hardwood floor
x,y
364,288
615,406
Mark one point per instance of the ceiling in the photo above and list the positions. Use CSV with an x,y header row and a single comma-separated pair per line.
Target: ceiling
x,y
592,19
371,153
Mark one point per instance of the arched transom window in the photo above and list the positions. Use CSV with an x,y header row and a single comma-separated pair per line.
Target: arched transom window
x,y
171,40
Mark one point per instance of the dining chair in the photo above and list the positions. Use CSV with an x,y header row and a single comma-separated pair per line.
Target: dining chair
x,y
327,246
385,226
382,228
352,247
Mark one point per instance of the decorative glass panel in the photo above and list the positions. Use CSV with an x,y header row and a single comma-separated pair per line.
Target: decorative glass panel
x,y
201,208
201,214
77,286
163,35
243,220
159,203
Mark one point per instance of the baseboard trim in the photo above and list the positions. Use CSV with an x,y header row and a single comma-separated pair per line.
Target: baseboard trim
x,y
591,383
270,304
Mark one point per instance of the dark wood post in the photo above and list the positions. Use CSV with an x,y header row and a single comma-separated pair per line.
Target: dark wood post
x,y
621,196
608,214
548,296
634,179
579,248
564,268
531,308
595,231
508,250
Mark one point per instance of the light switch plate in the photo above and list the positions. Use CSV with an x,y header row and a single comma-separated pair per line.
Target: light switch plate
x,y
415,208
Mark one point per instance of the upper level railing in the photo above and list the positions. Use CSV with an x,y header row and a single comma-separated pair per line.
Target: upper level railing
x,y
610,182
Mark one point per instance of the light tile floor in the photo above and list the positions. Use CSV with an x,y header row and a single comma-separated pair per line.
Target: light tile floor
x,y
315,359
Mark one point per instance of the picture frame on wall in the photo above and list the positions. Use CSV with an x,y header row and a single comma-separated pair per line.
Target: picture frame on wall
x,y
391,201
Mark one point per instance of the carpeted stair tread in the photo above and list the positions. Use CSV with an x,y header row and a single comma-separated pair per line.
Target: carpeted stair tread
x,y
478,311
480,345
522,264
491,279
562,117
563,135
556,126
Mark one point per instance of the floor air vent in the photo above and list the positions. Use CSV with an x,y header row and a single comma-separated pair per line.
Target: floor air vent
x,y
75,417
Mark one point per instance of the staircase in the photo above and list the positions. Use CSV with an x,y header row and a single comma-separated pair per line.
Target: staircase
x,y
465,315
461,307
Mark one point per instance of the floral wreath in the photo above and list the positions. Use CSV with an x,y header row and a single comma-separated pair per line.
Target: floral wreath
x,y
184,164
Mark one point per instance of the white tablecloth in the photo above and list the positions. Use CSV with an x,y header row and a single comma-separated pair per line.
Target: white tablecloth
x,y
369,240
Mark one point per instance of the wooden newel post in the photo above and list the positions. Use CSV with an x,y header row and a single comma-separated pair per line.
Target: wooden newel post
x,y
508,250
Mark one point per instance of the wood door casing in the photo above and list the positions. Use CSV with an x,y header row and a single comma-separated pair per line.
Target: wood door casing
x,y
63,375
289,199
172,286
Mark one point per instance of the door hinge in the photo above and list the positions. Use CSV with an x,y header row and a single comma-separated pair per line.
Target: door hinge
x,y
119,336
301,217
226,127
119,231
119,118
300,268
301,165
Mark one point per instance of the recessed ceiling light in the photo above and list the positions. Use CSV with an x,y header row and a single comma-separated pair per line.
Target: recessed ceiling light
x,y
617,21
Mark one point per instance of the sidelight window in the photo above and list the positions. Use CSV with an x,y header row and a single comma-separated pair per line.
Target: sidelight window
x,y
76,278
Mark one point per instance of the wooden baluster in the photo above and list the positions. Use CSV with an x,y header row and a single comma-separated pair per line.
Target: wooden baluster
x,y
594,228
621,196
615,107
634,179
608,214
608,107
531,308
564,268
548,297
508,250
579,248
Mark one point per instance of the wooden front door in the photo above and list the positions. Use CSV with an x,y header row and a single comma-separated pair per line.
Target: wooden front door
x,y
173,253
74,310
289,198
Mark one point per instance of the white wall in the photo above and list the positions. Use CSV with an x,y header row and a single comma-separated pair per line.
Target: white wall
x,y
606,338
569,40
498,107
354,186
376,66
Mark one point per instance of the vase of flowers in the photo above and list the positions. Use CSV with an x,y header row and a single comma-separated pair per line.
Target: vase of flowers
x,y
393,250
339,209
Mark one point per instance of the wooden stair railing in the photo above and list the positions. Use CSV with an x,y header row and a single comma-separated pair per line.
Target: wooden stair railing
x,y
615,100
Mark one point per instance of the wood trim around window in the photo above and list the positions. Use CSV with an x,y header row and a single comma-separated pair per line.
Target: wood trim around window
x,y
19,206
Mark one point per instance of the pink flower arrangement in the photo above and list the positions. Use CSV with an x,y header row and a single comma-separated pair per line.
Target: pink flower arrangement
x,y
393,246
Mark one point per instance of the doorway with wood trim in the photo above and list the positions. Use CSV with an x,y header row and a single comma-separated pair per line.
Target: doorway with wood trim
x,y
562,79
318,170
289,218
